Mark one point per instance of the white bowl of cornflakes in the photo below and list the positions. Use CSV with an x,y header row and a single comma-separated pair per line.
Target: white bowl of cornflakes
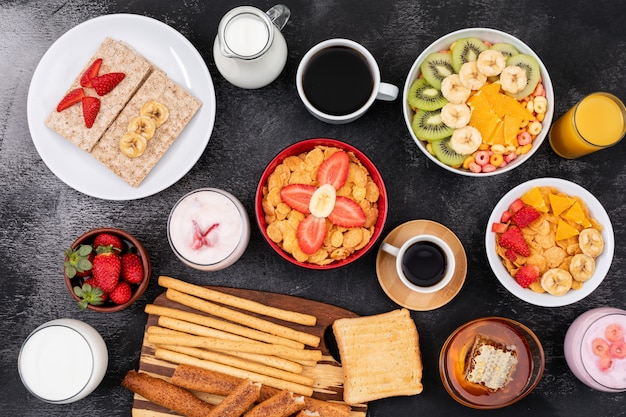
x,y
445,139
569,245
321,204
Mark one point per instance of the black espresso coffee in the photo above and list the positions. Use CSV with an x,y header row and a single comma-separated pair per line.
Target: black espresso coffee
x,y
338,81
424,264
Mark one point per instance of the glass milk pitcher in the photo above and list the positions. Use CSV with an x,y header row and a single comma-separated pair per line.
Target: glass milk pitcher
x,y
249,50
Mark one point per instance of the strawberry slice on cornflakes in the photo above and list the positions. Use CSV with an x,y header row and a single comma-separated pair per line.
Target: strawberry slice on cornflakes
x,y
298,196
347,213
334,170
311,234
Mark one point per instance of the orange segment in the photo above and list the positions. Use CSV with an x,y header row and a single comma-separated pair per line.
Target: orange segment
x,y
559,203
534,198
564,230
577,215
511,129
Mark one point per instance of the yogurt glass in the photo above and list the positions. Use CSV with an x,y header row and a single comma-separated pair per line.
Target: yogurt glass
x,y
208,229
62,361
595,349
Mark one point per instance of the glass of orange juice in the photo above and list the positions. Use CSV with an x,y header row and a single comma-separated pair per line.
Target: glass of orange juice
x,y
596,122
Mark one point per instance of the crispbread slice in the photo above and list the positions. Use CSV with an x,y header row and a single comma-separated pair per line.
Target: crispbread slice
x,y
380,356
115,58
182,107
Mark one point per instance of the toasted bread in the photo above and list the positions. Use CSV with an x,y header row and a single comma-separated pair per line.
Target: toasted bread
x,y
380,356
116,57
182,107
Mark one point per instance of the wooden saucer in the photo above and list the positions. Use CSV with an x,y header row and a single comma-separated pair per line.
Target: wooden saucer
x,y
395,288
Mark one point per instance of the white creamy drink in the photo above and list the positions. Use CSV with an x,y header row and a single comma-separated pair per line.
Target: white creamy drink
x,y
63,361
208,229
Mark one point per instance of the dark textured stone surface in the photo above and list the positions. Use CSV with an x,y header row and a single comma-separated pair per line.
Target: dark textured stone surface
x,y
582,43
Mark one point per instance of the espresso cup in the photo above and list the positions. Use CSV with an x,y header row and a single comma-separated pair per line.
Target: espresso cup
x,y
338,80
424,263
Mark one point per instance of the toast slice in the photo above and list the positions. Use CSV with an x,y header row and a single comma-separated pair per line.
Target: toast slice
x,y
116,57
182,107
380,356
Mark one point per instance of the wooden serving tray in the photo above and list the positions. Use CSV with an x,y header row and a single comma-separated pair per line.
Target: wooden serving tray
x,y
327,373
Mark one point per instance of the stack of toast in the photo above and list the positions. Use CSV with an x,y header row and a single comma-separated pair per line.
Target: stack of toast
x,y
143,82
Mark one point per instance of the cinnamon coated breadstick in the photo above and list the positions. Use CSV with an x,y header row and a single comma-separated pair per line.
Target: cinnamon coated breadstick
x,y
238,401
282,404
165,394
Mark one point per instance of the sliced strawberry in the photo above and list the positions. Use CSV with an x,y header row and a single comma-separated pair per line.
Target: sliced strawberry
x,y
91,72
506,216
70,99
499,227
311,234
347,213
91,107
298,196
526,275
513,239
525,216
516,205
105,83
334,170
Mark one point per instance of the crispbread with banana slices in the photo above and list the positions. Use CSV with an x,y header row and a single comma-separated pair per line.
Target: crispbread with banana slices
x,y
182,107
116,57
380,356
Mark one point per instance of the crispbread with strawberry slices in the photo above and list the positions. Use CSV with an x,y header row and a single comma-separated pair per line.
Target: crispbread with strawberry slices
x,y
116,57
182,107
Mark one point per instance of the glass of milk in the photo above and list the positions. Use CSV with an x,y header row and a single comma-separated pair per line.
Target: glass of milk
x,y
249,49
63,361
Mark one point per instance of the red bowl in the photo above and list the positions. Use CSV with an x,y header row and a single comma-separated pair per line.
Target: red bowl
x,y
305,146
128,242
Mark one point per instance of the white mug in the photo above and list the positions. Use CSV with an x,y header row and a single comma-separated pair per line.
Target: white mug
x,y
438,277
378,90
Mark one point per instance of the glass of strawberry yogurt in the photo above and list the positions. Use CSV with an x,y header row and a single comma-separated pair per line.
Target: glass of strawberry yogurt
x,y
208,229
595,349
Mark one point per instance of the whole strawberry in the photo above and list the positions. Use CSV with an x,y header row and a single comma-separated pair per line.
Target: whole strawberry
x,y
108,239
89,295
132,268
121,293
106,268
78,263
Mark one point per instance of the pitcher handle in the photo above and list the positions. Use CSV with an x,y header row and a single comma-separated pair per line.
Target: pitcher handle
x,y
279,15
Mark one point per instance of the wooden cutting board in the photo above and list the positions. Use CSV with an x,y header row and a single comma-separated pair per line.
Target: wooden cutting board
x,y
327,373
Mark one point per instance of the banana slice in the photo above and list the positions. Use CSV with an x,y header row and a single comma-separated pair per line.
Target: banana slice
x,y
513,79
581,267
591,242
470,76
556,281
466,140
158,111
132,144
491,62
323,201
453,89
144,125
456,116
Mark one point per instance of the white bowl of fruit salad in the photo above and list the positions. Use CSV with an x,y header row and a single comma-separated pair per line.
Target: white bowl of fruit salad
x,y
549,242
478,102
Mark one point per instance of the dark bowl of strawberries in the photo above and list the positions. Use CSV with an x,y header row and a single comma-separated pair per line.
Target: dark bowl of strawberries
x,y
106,270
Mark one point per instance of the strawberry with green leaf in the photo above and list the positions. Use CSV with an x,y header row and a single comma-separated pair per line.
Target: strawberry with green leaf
x,y
89,295
78,261
107,268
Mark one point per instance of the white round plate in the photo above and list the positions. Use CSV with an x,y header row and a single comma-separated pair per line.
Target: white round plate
x,y
603,262
160,44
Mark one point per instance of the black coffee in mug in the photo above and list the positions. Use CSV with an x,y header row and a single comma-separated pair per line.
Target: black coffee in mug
x,y
338,80
424,264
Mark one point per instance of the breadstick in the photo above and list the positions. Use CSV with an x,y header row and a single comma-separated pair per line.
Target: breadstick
x,y
221,325
238,401
282,404
242,318
180,358
241,364
308,413
235,346
238,302
273,361
165,394
212,382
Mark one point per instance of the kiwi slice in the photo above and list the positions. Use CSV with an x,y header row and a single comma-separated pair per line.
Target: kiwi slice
x,y
444,152
533,73
424,96
436,67
466,50
506,49
427,125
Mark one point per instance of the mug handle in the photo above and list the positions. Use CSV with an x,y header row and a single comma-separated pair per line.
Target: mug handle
x,y
279,15
387,92
390,249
